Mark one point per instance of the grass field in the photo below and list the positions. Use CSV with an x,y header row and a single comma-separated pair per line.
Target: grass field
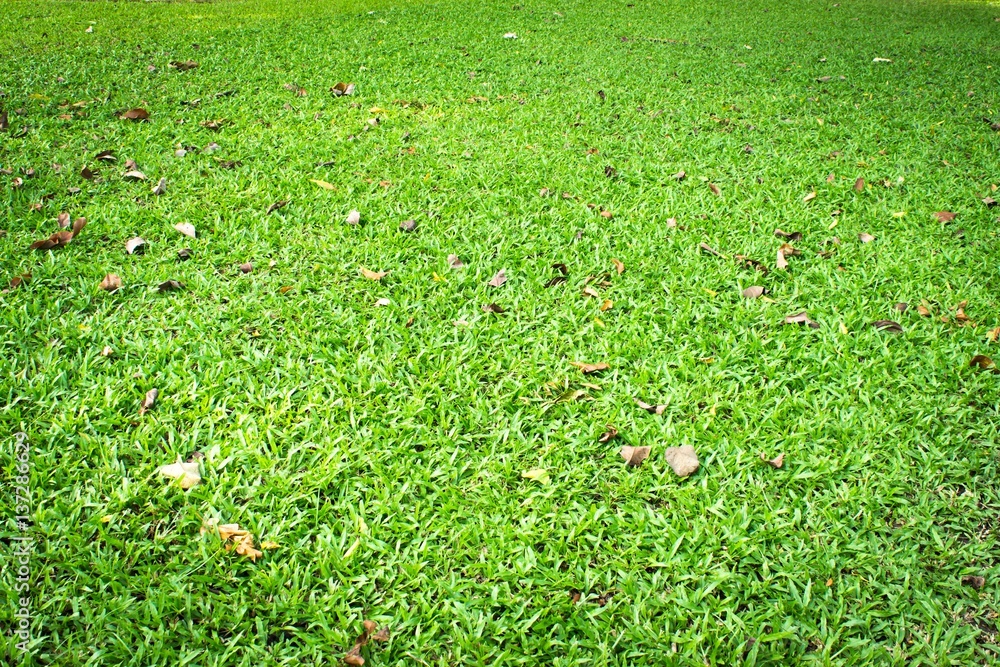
x,y
378,431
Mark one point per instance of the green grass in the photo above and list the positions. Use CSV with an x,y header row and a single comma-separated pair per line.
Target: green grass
x,y
382,447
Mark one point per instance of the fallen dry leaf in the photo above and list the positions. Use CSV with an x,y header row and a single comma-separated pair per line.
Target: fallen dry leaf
x,y
323,184
169,286
106,156
809,197
790,236
373,275
973,581
888,325
354,218
753,292
183,65
408,225
607,305
865,237
493,308
111,282
555,280
992,335
148,401
281,203
540,475
776,462
715,189
381,303
586,368
135,114
606,214
683,460
990,202
17,281
342,89
353,656
134,175
901,306
184,254
246,267
186,228
982,361
801,318
135,246
619,267
63,220
188,473
60,239
651,409
107,351
610,433
591,292
859,184
679,176
709,249
634,456
88,173
4,121
499,279
160,187
454,262
944,216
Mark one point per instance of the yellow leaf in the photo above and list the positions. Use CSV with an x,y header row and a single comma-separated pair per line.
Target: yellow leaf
x,y
540,475
323,184
709,292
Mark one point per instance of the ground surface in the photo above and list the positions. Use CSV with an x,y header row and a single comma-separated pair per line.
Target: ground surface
x,y
382,446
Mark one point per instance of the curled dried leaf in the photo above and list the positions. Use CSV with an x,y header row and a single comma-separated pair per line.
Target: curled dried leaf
x,y
865,237
281,203
981,361
651,409
801,318
888,325
679,176
791,236
137,114
859,185
716,190
134,175
354,218
183,65
454,262
373,275
493,308
111,282
610,433
634,456
776,462
188,473
809,197
169,286
709,249
160,187
499,279
62,220
607,305
619,266
974,581
944,216
683,460
408,225
753,292
135,246
148,401
586,368
187,229
17,281
246,267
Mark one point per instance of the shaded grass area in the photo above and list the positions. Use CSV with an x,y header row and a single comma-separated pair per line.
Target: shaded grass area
x,y
382,446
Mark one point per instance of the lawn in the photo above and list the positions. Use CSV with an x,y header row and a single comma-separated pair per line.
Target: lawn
x,y
418,448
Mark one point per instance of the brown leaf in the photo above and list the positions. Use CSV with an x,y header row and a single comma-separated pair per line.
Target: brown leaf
x,y
107,351
148,401
408,225
888,325
709,249
607,214
556,280
607,305
683,460
353,656
901,306
651,409
780,260
4,121
373,275
88,173
187,229
213,125
809,197
342,89
990,202
944,216
619,267
135,246
135,114
923,311
60,239
22,279
671,223
134,175
354,218
776,462
111,282
752,263
831,177
561,268
715,189
791,236
246,267
169,286
865,237
544,192
591,292
499,279
974,581
587,369
801,318
183,65
160,187
454,262
184,254
281,203
992,335
610,171
679,176
609,434
753,292
859,185
493,308
62,220
106,156
634,456
982,361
